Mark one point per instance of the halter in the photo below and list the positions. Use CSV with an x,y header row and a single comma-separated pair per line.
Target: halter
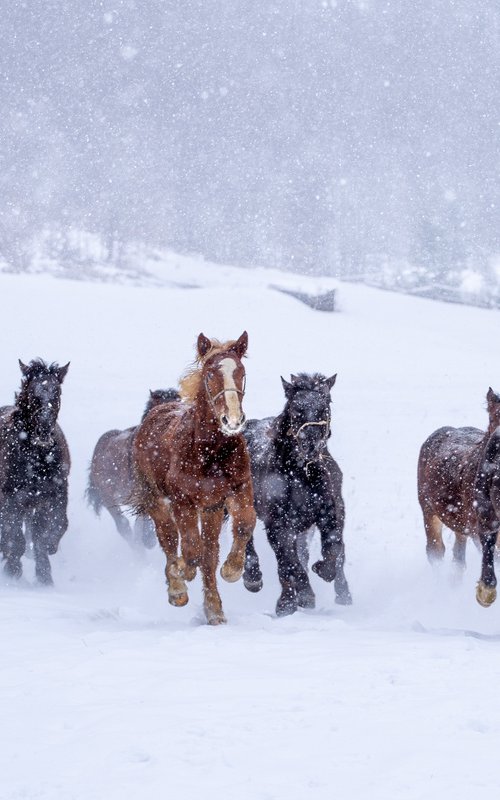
x,y
212,399
326,423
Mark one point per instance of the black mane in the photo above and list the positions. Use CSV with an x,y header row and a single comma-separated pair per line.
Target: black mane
x,y
303,382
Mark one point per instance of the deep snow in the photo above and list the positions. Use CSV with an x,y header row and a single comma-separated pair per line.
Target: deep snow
x,y
108,692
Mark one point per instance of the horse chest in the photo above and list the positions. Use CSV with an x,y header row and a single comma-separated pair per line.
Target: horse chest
x,y
32,471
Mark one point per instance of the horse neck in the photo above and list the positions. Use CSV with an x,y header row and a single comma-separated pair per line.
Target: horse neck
x,y
285,445
206,427
21,417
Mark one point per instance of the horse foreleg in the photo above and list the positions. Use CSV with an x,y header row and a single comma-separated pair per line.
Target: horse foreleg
x,y
211,524
331,567
166,530
252,575
186,518
486,592
459,551
284,546
12,543
240,507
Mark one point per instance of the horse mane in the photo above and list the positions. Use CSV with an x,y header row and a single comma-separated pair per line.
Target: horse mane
x,y
190,382
304,382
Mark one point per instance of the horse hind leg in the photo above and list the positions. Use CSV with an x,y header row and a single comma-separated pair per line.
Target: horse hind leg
x,y
145,531
433,531
122,524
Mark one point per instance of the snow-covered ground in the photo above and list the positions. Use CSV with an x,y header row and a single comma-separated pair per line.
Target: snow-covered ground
x,y
109,693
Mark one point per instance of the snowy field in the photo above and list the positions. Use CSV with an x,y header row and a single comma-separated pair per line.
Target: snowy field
x,y
109,693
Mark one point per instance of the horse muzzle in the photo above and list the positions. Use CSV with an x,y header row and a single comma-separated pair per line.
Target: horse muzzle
x,y
230,427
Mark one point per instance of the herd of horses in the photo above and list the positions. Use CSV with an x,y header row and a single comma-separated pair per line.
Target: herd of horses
x,y
194,460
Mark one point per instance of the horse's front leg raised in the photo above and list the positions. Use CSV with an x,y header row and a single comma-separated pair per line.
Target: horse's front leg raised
x,y
12,543
331,566
211,524
240,507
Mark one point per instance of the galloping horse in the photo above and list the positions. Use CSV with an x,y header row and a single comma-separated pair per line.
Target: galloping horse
x,y
192,464
459,486
34,467
297,484
111,476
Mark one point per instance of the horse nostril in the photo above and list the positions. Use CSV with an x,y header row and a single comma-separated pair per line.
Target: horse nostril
x,y
224,419
243,419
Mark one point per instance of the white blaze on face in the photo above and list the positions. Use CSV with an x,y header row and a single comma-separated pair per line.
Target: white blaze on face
x,y
233,404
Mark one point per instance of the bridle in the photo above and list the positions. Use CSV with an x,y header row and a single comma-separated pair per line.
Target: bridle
x,y
295,434
213,398
325,422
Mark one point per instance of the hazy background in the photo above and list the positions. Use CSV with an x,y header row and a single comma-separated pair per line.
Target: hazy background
x,y
353,137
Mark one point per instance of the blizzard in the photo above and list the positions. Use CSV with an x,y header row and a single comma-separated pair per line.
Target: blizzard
x,y
109,692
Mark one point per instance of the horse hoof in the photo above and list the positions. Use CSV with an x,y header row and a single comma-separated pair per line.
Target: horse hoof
x,y
230,573
344,599
485,595
253,584
324,570
178,600
13,569
286,606
45,580
306,599
215,618
189,572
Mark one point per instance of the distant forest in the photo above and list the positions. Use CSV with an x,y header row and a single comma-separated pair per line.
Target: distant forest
x,y
357,138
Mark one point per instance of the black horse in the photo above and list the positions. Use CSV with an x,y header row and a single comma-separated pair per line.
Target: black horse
x,y
34,467
297,484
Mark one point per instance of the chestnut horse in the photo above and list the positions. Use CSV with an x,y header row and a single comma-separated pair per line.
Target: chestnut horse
x,y
111,476
192,464
459,486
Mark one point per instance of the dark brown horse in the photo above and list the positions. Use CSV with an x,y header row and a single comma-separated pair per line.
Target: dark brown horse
x,y
192,464
34,467
111,476
459,486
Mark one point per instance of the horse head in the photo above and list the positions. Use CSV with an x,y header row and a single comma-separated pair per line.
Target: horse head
x,y
308,413
223,380
39,399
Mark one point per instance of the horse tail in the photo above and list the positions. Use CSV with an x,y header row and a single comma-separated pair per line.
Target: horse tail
x,y
93,496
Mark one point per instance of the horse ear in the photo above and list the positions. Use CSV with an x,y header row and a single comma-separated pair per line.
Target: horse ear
x,y
492,397
203,344
241,345
61,372
287,387
330,382
23,367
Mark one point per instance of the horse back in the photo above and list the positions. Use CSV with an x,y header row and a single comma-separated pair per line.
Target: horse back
x,y
111,472
447,468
